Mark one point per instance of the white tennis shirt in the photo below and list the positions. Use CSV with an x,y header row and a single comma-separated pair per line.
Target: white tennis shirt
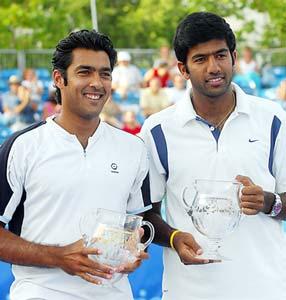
x,y
183,147
48,182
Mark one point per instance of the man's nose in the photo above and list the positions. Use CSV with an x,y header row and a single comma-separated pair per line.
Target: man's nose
x,y
213,65
96,81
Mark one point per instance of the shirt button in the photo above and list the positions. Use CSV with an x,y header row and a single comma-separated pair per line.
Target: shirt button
x,y
212,128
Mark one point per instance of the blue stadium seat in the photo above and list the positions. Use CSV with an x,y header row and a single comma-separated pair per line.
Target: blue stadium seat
x,y
247,83
43,74
268,93
5,132
279,71
6,280
143,71
4,87
272,76
132,98
144,286
6,73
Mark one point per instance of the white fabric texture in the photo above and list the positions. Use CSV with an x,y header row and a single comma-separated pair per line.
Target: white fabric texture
x,y
62,182
258,246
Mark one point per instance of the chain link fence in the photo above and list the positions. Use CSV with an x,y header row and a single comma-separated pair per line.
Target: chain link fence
x,y
21,59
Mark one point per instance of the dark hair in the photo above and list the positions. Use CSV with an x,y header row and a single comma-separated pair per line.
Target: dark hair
x,y
87,39
201,27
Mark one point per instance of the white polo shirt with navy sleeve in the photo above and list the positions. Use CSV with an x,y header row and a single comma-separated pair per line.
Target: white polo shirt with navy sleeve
x,y
184,147
48,181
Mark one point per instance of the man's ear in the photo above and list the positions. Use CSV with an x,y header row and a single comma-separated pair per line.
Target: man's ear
x,y
183,70
58,79
234,57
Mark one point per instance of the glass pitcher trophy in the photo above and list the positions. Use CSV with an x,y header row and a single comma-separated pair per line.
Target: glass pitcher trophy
x,y
116,235
215,211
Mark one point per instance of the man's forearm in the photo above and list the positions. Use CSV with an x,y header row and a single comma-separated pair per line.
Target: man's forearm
x,y
163,231
16,250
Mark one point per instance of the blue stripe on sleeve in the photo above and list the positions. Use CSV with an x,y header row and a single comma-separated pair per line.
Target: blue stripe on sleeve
x,y
15,224
161,146
145,190
276,124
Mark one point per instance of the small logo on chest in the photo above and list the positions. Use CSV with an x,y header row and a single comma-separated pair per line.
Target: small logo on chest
x,y
114,168
252,140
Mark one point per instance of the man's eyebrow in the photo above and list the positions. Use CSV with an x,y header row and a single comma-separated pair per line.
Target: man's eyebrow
x,y
223,50
90,68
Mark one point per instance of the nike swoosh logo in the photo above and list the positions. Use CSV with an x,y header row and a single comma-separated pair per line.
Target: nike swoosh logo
x,y
252,141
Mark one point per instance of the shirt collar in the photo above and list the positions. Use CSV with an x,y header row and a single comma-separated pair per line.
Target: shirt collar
x,y
185,110
72,137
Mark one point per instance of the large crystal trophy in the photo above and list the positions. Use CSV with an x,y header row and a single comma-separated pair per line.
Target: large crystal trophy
x,y
215,211
116,235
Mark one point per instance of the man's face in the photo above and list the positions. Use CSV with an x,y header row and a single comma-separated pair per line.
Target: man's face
x,y
247,55
14,87
155,85
124,63
88,83
209,67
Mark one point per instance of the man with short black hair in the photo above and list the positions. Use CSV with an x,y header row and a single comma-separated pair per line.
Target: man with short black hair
x,y
56,171
218,132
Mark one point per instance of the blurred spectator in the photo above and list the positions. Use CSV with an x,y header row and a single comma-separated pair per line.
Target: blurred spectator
x,y
178,91
154,98
125,76
17,106
111,113
281,94
34,86
247,63
130,124
167,54
281,91
161,71
51,107
1,105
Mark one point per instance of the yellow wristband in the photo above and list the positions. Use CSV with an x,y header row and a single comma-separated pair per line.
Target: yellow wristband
x,y
172,238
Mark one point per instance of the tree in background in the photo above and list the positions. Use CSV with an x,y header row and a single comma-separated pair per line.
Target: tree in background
x,y
28,24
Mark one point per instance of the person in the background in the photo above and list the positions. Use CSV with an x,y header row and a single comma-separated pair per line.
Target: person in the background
x,y
51,107
160,71
17,106
281,94
167,54
125,76
247,64
130,124
217,132
111,113
177,92
33,85
281,91
154,98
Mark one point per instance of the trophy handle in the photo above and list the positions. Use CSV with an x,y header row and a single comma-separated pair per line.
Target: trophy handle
x,y
152,234
186,204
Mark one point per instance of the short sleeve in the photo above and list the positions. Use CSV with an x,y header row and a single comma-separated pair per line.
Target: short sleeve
x,y
139,198
157,173
279,162
11,179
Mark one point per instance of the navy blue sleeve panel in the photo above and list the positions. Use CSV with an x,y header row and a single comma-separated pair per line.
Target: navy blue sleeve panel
x,y
161,146
145,189
5,189
15,224
276,124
